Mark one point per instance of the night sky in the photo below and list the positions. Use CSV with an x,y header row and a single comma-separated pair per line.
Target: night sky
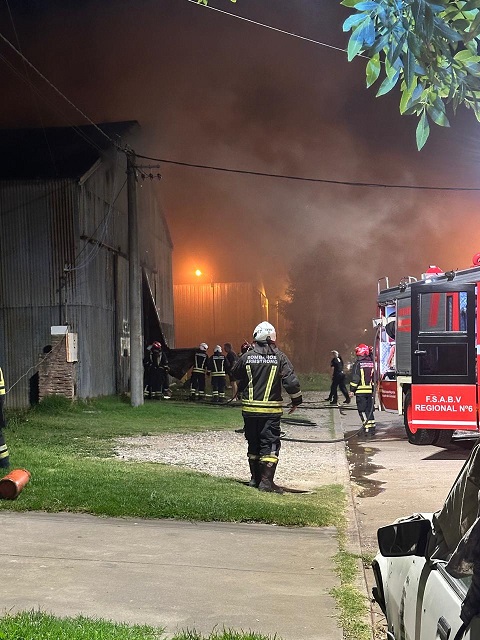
x,y
211,89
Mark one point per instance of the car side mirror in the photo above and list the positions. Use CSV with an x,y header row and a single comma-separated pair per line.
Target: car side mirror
x,y
408,538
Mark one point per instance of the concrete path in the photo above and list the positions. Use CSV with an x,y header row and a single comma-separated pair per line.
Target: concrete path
x,y
183,575
391,478
174,574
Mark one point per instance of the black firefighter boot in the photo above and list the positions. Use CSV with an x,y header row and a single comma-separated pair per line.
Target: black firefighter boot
x,y
255,472
266,483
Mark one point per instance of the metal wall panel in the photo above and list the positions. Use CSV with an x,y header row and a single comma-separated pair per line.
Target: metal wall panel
x,y
35,243
156,255
63,253
217,313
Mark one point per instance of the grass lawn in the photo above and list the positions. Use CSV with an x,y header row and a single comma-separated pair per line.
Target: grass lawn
x,y
35,625
315,381
67,449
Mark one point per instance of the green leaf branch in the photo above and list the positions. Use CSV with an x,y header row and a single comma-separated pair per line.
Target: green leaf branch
x,y
427,48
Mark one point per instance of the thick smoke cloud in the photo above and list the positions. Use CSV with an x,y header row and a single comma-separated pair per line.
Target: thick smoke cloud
x,y
210,89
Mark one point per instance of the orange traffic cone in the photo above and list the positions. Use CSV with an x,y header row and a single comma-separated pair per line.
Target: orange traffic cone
x,y
12,484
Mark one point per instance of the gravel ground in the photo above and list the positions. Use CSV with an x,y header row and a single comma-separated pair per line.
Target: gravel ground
x,y
223,453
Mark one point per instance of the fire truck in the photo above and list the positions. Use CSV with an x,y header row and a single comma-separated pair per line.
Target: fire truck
x,y
427,353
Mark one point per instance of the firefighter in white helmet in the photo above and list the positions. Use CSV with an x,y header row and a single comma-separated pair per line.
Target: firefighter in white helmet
x,y
362,386
262,372
216,366
199,372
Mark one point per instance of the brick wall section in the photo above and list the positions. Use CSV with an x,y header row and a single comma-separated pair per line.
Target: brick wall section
x,y
56,375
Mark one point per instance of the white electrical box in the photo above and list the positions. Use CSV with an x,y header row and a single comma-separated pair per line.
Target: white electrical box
x,y
59,330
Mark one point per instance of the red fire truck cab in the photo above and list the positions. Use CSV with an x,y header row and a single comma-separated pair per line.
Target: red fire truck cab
x,y
427,353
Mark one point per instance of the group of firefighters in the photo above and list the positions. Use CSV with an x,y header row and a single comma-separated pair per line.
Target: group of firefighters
x,y
259,375
361,385
218,367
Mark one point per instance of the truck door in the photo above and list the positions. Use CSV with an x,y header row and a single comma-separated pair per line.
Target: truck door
x,y
443,356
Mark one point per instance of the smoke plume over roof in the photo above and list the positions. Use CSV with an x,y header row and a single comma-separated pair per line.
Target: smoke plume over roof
x,y
213,90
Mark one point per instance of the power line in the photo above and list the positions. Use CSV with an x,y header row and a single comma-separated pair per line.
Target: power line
x,y
267,26
226,169
346,183
28,82
27,61
17,38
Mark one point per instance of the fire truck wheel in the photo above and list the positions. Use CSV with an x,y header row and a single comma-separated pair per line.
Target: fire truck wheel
x,y
444,438
416,436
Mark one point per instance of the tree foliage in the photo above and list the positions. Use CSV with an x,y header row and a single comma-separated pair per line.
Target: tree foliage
x,y
427,48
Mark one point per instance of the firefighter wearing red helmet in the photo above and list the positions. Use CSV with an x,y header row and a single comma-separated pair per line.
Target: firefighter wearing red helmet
x,y
263,372
156,372
362,386
246,346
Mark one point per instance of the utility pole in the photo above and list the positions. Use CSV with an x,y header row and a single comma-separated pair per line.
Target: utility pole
x,y
135,291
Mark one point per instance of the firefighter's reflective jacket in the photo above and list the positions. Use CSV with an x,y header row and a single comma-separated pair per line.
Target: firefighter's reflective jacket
x,y
216,366
200,364
262,372
362,376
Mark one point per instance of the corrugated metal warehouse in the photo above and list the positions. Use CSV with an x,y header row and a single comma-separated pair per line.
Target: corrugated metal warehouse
x,y
63,255
218,312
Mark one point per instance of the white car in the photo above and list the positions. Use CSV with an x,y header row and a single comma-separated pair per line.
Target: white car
x,y
427,572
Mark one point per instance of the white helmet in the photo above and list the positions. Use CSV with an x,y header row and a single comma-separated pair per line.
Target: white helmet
x,y
203,346
264,331
218,349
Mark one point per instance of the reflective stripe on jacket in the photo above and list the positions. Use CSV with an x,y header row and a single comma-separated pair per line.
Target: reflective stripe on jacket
x,y
200,365
262,373
216,365
362,376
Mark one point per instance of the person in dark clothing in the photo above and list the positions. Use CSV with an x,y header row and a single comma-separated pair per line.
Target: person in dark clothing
x,y
156,372
262,372
246,346
231,357
362,386
197,390
338,379
216,366
4,456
